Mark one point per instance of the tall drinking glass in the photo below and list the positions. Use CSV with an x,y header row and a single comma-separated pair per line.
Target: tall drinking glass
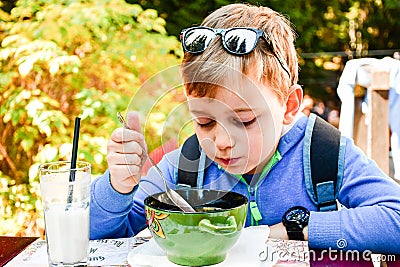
x,y
66,211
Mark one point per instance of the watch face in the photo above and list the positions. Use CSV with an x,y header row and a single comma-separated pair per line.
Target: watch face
x,y
297,214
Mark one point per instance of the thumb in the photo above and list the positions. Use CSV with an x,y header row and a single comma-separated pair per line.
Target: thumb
x,y
133,121
134,124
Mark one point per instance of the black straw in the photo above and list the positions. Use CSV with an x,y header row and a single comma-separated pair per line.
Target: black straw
x,y
75,148
73,161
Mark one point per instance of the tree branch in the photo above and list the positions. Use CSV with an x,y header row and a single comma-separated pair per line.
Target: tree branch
x,y
3,151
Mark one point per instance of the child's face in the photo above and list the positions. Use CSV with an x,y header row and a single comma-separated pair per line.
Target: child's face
x,y
239,129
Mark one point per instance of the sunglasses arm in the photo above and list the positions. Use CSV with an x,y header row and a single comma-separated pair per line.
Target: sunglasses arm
x,y
267,39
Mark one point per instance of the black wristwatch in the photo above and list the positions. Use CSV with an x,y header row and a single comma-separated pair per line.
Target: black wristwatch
x,y
295,219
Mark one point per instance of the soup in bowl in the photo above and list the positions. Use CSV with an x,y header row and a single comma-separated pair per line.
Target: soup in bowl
x,y
197,238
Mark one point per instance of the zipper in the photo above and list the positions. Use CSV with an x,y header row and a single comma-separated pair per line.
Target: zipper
x,y
254,211
256,215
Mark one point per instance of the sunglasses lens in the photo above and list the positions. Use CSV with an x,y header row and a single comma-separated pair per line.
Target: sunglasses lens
x,y
240,41
197,40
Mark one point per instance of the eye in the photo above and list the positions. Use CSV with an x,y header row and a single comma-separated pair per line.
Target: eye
x,y
245,123
204,122
248,123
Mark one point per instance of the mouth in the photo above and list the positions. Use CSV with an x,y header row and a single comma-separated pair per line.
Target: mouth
x,y
227,161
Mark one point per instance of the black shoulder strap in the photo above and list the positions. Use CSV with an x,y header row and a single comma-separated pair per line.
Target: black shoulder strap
x,y
321,156
189,160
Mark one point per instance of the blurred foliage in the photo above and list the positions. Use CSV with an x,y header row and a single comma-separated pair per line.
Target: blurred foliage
x,y
60,59
329,32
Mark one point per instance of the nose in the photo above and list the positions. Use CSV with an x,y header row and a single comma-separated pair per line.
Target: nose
x,y
222,138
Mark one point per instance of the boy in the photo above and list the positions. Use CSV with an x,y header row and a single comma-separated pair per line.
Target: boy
x,y
241,89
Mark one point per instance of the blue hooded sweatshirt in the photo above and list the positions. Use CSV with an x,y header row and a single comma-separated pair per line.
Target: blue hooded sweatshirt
x,y
370,219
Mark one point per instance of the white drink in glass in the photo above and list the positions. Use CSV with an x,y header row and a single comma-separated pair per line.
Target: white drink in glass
x,y
66,224
67,233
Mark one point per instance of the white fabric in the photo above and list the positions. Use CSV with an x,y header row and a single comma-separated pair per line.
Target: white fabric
x,y
357,71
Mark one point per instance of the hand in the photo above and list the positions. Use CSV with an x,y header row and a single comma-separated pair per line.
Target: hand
x,y
278,231
125,155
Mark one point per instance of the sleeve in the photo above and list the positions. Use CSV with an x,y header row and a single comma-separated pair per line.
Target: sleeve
x,y
370,219
116,215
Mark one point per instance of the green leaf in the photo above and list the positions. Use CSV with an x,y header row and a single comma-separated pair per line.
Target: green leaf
x,y
26,144
5,79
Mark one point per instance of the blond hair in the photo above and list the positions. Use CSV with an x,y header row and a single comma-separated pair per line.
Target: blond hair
x,y
203,73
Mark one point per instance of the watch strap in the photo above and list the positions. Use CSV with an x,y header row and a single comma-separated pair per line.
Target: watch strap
x,y
295,235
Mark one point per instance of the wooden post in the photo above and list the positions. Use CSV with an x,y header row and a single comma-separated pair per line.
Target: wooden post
x,y
378,119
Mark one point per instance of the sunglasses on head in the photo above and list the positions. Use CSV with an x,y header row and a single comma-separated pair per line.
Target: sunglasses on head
x,y
237,41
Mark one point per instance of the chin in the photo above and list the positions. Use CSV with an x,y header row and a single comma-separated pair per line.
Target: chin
x,y
239,170
233,170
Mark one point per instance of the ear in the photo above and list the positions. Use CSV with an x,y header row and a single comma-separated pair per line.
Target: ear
x,y
293,103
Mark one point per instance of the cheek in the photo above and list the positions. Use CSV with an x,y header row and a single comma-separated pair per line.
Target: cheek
x,y
264,139
206,141
259,144
269,143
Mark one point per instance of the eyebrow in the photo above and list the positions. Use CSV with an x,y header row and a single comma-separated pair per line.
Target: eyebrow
x,y
238,110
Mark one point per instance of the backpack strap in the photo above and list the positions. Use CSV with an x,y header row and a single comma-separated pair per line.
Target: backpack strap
x,y
191,164
323,159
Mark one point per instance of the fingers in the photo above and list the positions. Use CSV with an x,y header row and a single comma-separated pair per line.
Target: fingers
x,y
125,159
121,135
131,147
133,134
125,168
125,173
125,155
123,178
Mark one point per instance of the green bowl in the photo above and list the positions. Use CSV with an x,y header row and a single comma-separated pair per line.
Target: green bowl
x,y
198,238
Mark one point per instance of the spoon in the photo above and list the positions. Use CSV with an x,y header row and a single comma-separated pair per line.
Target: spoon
x,y
172,194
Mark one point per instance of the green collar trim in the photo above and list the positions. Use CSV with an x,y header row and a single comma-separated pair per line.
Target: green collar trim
x,y
274,159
